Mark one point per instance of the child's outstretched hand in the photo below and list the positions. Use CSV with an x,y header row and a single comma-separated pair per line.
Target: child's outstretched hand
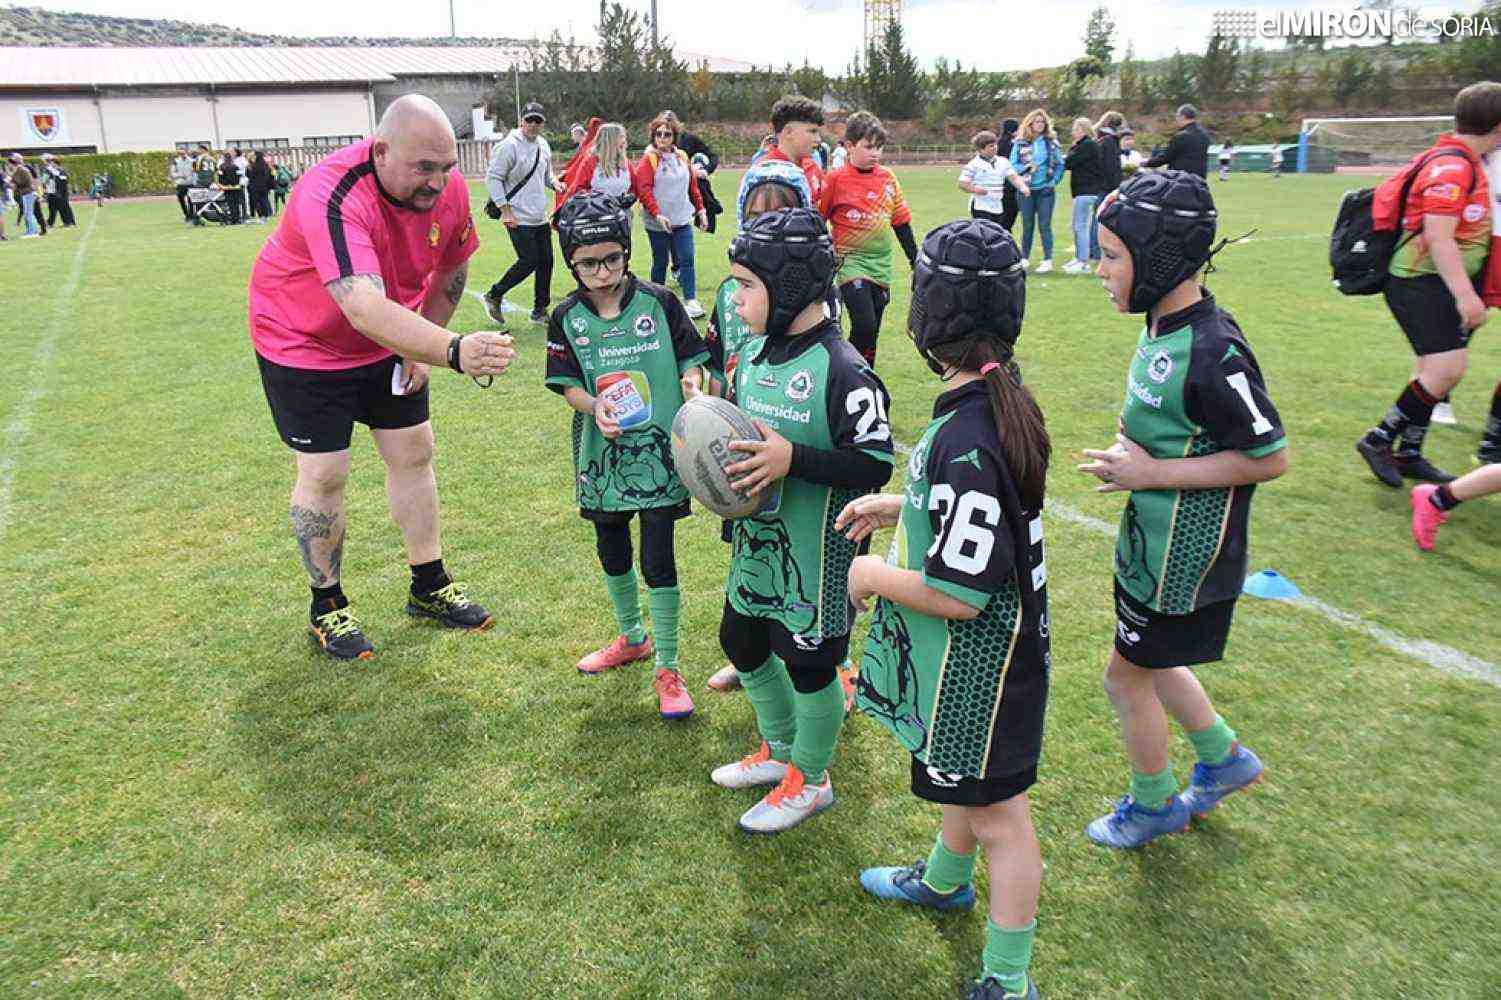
x,y
1125,466
604,419
863,515
769,461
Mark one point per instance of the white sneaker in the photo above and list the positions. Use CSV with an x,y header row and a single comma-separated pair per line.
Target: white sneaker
x,y
1045,267
757,769
1443,413
788,804
1075,267
694,310
1026,264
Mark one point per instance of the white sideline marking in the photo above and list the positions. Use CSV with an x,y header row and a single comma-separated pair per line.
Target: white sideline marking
x,y
20,425
1447,659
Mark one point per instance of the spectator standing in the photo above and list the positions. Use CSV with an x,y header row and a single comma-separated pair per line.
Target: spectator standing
x,y
260,181
704,161
839,158
242,165
283,179
1037,156
229,183
1005,142
25,188
670,206
205,167
58,205
1276,159
1131,160
1227,152
605,169
1188,149
180,173
1087,185
519,177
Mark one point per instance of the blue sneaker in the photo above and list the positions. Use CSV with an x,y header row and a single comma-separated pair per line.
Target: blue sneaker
x,y
1211,784
1132,826
906,885
990,988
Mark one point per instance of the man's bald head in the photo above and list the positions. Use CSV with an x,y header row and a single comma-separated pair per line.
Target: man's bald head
x,y
415,150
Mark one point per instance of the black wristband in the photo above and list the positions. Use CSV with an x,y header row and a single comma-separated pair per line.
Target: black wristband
x,y
453,353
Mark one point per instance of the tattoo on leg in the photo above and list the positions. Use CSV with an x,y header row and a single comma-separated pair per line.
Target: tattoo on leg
x,y
308,524
455,289
336,557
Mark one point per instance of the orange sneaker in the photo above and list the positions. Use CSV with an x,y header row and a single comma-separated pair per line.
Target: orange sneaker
x,y
672,697
751,770
616,654
848,674
726,678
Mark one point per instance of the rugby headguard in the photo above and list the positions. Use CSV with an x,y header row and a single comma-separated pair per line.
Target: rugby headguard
x,y
587,219
968,283
764,171
1166,218
790,251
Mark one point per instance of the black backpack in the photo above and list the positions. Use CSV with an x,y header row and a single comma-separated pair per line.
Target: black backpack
x,y
1359,253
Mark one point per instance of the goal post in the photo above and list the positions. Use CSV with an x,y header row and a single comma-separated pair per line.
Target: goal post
x,y
1326,143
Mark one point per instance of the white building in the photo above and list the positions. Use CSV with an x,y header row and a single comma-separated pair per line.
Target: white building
x,y
82,100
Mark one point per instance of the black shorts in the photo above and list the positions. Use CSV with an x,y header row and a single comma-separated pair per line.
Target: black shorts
x,y
1425,310
933,785
315,411
1156,641
675,512
748,641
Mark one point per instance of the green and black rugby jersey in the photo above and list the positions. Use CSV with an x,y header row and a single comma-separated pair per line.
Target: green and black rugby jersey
x,y
787,562
651,344
726,333
1193,389
966,697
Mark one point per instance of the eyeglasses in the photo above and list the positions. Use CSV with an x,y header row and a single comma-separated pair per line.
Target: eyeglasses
x,y
663,131
593,265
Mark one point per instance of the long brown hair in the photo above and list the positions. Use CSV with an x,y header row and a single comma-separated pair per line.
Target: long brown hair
x,y
1018,419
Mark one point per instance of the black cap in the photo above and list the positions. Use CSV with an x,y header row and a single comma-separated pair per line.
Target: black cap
x,y
532,110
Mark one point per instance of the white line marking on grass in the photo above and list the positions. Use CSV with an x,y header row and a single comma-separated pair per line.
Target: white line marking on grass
x,y
20,425
1444,658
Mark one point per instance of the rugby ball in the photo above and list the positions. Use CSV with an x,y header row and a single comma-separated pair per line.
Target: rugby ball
x,y
701,433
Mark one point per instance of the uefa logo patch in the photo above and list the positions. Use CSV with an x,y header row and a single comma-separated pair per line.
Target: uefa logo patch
x,y
1160,367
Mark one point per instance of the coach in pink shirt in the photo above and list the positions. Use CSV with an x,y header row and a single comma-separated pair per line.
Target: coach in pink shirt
x,y
348,302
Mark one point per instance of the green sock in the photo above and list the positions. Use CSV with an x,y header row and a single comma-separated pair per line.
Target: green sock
x,y
1152,791
946,870
665,603
1214,742
1008,952
769,688
819,718
627,603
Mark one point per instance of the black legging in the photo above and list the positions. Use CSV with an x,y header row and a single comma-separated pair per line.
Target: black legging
x,y
865,301
183,202
533,253
659,566
260,204
1010,207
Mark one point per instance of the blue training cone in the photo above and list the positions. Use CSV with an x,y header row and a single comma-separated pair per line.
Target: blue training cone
x,y
1272,586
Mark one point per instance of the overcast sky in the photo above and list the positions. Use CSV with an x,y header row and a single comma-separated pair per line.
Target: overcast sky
x,y
993,34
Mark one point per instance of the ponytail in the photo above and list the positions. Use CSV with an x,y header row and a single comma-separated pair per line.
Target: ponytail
x,y
1018,419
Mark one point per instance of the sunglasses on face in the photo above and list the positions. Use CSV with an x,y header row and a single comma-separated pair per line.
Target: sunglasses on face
x,y
663,131
593,265
534,120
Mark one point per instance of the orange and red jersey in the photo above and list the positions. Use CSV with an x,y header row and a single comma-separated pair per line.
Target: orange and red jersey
x,y
863,207
1447,185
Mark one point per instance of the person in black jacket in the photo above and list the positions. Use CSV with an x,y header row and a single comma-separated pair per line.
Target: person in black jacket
x,y
260,181
229,183
1107,134
1009,205
704,162
1188,149
55,180
1087,185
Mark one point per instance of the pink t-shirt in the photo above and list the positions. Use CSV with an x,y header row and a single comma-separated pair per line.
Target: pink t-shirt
x,y
339,221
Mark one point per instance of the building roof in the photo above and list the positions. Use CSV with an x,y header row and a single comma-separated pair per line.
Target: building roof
x,y
36,67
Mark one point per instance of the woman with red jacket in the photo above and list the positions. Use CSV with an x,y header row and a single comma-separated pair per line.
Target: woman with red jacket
x,y
605,169
671,206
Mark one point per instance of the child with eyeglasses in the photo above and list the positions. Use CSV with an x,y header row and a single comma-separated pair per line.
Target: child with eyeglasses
x,y
624,354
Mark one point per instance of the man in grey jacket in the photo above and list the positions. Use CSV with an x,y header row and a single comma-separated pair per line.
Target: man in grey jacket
x,y
519,178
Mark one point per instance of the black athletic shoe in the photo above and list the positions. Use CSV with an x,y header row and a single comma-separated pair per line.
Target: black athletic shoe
x,y
495,309
450,606
539,316
990,988
1419,468
1489,454
338,633
1379,458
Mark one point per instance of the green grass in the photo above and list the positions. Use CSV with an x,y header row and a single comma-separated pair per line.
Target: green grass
x,y
193,803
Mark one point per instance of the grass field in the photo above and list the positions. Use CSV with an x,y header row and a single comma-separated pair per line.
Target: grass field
x,y
194,803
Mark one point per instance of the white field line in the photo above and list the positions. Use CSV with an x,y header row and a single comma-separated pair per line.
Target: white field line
x,y
19,428
1451,661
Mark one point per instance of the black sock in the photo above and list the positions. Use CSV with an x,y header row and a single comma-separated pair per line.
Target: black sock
x,y
1443,498
428,577
1406,423
326,599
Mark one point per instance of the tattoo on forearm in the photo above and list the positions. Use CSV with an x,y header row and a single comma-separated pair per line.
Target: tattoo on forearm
x,y
308,524
340,288
455,289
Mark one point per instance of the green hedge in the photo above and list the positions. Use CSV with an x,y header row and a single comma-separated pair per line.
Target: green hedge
x,y
133,173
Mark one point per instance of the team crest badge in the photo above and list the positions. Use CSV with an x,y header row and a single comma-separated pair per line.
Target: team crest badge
x,y
468,228
800,386
1474,213
580,324
1160,367
434,234
645,326
45,122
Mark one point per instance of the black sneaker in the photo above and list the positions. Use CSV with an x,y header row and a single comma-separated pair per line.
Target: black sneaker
x,y
1419,468
495,309
338,633
1379,458
990,988
1489,454
450,606
539,316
